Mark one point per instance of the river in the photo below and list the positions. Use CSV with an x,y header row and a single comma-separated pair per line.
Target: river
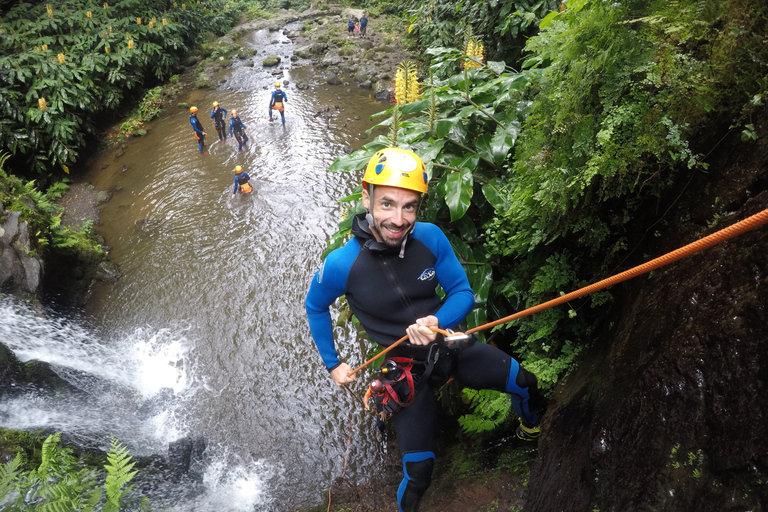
x,y
209,311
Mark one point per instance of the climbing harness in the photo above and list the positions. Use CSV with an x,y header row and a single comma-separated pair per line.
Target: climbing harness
x,y
724,234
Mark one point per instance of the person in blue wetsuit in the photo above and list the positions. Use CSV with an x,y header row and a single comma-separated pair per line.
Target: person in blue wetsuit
x,y
237,130
241,182
350,26
363,25
198,127
276,102
389,272
219,116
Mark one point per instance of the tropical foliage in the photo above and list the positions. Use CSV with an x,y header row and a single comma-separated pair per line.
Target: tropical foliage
x,y
65,64
62,484
542,176
40,210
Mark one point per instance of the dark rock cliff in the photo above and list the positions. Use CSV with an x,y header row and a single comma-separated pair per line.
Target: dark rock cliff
x,y
669,411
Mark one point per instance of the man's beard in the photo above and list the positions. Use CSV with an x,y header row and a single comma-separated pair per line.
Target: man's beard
x,y
392,243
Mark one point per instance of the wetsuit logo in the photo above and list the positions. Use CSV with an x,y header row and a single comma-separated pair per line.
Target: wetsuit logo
x,y
427,275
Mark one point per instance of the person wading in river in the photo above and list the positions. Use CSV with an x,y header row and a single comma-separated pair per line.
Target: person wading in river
x,y
389,272
199,132
241,182
237,127
219,116
276,102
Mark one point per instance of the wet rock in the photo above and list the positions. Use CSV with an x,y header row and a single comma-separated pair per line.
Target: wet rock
x,y
250,64
21,271
272,60
331,59
157,404
103,196
333,79
108,272
366,85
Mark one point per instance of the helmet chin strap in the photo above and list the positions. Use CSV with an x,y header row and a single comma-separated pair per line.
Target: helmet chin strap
x,y
368,216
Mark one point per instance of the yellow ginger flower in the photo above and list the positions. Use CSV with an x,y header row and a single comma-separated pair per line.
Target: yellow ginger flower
x,y
165,22
138,21
49,10
130,44
175,4
66,169
41,104
406,83
151,24
44,47
106,49
61,58
474,48
184,6
154,19
106,5
89,15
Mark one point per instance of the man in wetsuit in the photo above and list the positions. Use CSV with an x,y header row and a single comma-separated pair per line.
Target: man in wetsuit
x,y
237,127
276,102
363,25
198,127
219,116
389,272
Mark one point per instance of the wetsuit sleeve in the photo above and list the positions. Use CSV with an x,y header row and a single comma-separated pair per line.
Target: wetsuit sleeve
x,y
195,126
234,190
272,100
285,96
223,113
231,122
328,284
213,112
459,298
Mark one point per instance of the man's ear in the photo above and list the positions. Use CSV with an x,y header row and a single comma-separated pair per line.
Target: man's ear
x,y
366,199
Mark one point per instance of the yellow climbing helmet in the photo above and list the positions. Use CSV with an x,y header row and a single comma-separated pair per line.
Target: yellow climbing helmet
x,y
395,167
238,169
277,84
234,112
192,110
215,103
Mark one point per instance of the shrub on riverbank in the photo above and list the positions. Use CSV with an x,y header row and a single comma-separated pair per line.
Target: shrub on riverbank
x,y
65,65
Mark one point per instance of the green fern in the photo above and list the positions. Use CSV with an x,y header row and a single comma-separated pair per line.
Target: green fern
x,y
9,474
118,475
489,410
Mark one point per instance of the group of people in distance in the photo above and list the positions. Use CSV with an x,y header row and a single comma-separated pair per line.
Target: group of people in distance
x,y
237,130
236,126
357,27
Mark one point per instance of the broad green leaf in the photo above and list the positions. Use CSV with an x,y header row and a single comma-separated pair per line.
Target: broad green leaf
x,y
547,20
458,192
444,126
496,194
352,162
497,66
416,106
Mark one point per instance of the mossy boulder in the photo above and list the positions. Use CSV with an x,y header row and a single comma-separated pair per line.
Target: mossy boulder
x,y
271,61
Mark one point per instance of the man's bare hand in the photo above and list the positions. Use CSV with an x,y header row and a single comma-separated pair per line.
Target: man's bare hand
x,y
340,375
420,332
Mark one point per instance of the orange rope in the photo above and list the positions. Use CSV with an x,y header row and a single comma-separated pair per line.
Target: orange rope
x,y
708,241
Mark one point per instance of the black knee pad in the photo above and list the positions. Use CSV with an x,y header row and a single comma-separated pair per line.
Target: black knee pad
x,y
420,474
526,379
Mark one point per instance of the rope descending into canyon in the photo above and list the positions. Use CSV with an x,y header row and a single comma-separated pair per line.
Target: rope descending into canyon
x,y
743,226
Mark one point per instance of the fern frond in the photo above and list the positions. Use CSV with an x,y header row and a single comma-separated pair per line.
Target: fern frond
x,y
9,473
119,473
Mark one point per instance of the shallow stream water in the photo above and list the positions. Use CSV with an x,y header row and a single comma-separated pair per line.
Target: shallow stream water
x,y
210,304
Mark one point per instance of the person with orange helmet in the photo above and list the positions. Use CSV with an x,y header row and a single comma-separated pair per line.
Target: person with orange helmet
x,y
389,272
198,127
219,116
276,102
241,182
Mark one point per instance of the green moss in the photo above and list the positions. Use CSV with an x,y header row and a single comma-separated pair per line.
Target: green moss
x,y
27,444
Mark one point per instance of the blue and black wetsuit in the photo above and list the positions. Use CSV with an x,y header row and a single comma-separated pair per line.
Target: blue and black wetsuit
x,y
363,25
240,180
199,132
387,291
237,130
276,101
218,115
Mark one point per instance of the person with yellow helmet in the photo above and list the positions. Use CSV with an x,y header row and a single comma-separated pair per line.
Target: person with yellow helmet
x,y
198,127
219,116
276,102
241,182
389,272
237,130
